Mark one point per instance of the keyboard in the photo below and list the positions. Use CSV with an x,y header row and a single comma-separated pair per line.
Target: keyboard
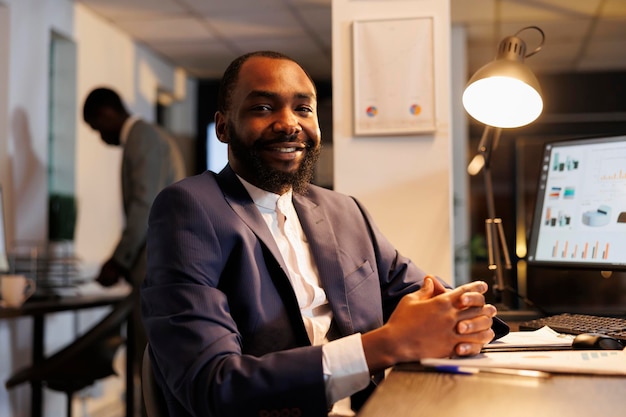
x,y
580,323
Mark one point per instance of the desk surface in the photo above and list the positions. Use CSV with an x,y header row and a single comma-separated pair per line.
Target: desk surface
x,y
411,393
64,303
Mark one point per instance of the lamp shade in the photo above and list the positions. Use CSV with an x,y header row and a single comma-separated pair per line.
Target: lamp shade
x,y
504,93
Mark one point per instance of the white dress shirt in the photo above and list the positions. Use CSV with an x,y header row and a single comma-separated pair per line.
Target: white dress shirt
x,y
344,365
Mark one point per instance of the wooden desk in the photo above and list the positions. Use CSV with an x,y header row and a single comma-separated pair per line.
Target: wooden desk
x,y
38,309
408,392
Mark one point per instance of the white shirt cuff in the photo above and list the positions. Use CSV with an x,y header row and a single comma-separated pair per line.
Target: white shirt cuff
x,y
345,368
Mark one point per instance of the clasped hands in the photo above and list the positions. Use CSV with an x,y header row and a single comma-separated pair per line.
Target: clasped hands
x,y
433,322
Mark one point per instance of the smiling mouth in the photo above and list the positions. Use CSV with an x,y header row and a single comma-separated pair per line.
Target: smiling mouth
x,y
287,150
286,147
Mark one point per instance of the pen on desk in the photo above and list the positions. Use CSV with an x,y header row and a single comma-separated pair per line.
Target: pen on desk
x,y
468,370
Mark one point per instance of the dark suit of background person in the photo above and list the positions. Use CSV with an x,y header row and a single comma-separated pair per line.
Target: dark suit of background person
x,y
226,332
151,160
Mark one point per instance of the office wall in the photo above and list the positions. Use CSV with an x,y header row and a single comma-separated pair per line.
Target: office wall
x,y
405,181
105,56
26,113
26,30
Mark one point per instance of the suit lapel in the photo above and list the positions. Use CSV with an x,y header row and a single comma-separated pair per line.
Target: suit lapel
x,y
319,232
241,203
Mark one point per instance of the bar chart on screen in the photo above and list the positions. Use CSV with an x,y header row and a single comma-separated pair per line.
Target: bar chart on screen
x,y
582,251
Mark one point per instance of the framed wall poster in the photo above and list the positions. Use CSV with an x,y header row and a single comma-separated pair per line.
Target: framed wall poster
x,y
393,87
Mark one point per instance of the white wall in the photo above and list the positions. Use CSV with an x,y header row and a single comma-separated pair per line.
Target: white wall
x,y
105,56
404,181
30,23
24,136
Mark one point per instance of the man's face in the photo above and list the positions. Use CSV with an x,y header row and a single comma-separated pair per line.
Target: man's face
x,y
271,126
107,124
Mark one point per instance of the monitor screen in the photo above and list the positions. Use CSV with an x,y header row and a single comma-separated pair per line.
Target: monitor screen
x,y
580,211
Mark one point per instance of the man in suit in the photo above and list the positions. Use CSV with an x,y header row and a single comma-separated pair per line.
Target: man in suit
x,y
151,160
266,295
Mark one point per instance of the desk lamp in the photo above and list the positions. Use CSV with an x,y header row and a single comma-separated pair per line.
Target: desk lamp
x,y
502,94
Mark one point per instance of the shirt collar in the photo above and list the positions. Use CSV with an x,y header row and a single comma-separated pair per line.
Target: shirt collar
x,y
128,124
264,199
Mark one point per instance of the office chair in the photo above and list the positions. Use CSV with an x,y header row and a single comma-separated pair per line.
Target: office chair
x,y
153,398
84,361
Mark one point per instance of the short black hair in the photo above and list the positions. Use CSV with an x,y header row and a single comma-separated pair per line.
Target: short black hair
x,y
229,79
99,98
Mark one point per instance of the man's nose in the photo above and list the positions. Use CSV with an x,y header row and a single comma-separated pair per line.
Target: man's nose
x,y
287,122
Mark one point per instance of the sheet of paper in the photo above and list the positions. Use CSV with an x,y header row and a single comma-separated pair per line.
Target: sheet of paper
x,y
601,362
92,287
541,338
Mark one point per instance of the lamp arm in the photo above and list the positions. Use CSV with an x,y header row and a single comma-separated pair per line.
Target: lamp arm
x,y
488,142
496,241
493,249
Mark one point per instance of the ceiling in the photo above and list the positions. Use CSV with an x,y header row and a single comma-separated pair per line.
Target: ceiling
x,y
203,36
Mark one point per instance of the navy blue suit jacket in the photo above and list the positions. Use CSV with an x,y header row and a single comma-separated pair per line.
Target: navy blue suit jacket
x,y
225,330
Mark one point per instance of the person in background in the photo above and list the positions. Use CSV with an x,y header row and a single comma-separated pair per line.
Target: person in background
x,y
151,160
267,295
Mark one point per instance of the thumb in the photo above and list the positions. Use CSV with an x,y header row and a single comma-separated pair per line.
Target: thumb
x,y
427,290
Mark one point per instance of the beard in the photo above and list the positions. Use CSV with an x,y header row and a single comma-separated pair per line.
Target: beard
x,y
267,177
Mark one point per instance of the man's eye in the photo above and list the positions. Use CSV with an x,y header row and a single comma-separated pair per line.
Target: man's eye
x,y
305,109
262,107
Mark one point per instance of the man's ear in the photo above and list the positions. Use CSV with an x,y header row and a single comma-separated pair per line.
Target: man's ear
x,y
220,127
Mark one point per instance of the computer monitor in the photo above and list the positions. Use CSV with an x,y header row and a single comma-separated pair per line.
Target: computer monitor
x,y
580,210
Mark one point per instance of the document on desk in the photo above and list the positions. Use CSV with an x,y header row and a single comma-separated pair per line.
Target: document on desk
x,y
541,339
91,287
94,288
591,362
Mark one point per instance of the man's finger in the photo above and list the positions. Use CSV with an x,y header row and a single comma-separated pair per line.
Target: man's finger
x,y
438,286
426,291
474,325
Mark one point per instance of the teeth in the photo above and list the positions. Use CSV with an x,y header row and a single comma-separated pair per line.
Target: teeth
x,y
286,150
